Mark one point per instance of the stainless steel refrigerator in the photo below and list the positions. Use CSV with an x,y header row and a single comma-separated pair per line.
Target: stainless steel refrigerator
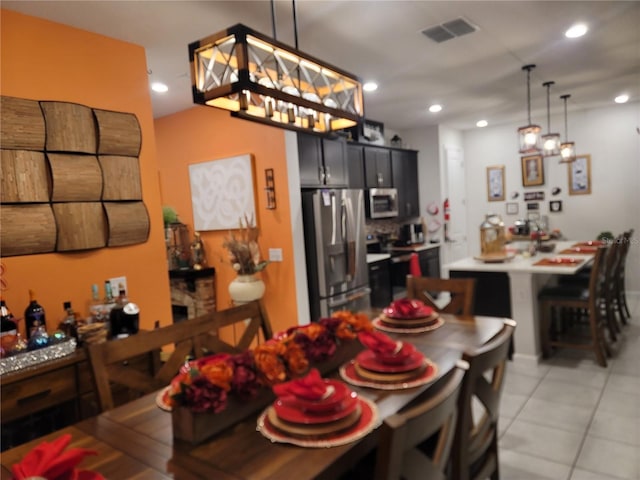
x,y
336,251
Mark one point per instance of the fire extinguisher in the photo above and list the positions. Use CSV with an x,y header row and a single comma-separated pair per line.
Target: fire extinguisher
x,y
446,210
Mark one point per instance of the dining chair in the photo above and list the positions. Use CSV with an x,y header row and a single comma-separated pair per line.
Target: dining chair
x,y
431,416
113,363
461,291
557,331
621,296
249,321
134,362
475,448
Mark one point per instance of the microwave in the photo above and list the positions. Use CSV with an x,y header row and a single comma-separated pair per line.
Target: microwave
x,y
382,202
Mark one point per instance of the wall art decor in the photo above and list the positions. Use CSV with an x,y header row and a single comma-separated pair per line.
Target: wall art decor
x,y
512,208
580,175
67,171
533,206
495,183
555,206
222,191
530,196
532,170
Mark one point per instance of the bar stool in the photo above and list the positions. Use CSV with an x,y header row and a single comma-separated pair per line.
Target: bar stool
x,y
589,300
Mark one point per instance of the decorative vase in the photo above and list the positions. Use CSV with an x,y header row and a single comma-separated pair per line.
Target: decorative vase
x,y
246,288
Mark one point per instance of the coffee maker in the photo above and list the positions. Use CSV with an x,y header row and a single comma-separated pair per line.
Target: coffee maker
x,y
410,234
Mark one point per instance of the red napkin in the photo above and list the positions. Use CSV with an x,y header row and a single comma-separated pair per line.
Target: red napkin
x,y
50,461
407,307
378,343
311,387
414,265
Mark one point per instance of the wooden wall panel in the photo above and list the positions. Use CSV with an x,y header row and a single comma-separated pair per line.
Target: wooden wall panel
x,y
21,124
70,127
121,178
81,226
76,178
27,229
128,223
25,177
118,133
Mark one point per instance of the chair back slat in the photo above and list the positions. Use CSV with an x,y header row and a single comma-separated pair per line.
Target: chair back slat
x,y
461,290
476,443
399,454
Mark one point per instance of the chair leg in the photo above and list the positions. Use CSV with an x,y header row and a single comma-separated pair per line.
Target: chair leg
x,y
597,339
622,305
545,326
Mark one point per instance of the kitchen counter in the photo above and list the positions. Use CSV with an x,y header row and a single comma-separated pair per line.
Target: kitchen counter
x,y
416,247
517,282
377,257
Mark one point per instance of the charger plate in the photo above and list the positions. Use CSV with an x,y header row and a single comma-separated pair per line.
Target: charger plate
x,y
410,322
161,400
350,374
382,326
367,421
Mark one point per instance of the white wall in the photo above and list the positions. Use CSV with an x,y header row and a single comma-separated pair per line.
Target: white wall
x,y
609,135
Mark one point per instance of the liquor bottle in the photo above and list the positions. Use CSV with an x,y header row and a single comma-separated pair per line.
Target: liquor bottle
x,y
8,328
69,325
34,316
95,306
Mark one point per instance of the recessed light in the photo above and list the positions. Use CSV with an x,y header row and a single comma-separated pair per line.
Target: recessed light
x,y
159,87
624,98
482,123
435,108
370,86
577,30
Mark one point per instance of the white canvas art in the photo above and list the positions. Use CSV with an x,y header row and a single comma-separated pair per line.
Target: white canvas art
x,y
222,192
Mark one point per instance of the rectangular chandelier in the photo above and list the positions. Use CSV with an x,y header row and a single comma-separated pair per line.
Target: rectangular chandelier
x,y
260,79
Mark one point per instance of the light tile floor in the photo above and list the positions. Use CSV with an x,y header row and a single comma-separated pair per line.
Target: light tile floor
x,y
570,419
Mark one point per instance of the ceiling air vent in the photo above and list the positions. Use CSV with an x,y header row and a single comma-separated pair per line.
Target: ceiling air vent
x,y
448,30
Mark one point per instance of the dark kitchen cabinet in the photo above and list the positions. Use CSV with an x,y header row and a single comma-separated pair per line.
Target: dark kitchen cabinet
x,y
430,262
377,167
355,166
380,284
322,161
404,168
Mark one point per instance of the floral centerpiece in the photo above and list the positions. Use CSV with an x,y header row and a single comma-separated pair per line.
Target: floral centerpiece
x,y
208,384
244,253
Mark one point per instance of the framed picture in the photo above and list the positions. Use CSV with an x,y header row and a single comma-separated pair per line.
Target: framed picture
x,y
222,192
580,175
555,206
512,208
495,183
532,170
533,206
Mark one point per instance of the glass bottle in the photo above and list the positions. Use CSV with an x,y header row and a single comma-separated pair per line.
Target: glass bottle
x,y
34,316
95,305
69,324
8,328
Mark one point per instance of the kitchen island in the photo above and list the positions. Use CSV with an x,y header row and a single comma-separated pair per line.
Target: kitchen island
x,y
510,289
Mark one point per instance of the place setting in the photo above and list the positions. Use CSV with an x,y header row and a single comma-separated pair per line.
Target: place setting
x,y
408,316
388,364
316,412
559,262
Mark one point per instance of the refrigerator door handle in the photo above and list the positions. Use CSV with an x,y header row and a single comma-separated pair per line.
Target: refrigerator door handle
x,y
350,298
349,243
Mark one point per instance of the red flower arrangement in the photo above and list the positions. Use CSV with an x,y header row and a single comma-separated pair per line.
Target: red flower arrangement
x,y
203,385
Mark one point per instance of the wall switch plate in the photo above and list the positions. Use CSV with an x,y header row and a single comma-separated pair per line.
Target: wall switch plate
x,y
115,285
275,254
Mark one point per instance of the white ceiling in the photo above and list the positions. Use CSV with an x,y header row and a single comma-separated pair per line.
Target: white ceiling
x,y
476,76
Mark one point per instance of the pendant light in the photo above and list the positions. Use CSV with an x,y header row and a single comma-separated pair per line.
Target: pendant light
x,y
567,148
550,141
529,136
261,79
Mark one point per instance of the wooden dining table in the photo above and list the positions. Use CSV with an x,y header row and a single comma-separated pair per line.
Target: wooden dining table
x,y
135,440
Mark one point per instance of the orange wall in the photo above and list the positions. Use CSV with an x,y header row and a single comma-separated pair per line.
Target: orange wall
x,y
42,60
202,134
